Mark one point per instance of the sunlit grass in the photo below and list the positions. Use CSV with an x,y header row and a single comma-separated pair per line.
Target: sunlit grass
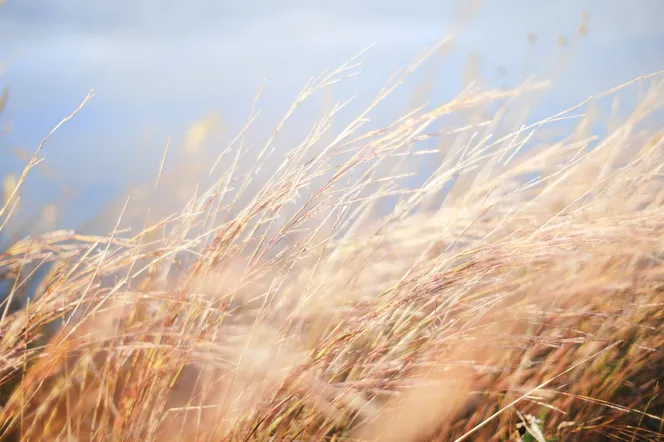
x,y
520,286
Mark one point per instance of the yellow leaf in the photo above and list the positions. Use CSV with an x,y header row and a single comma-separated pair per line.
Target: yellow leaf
x,y
199,131
9,184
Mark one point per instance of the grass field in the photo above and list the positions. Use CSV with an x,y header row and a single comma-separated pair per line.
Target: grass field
x,y
515,294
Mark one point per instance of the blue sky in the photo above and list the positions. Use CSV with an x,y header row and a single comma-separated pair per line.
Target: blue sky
x,y
158,65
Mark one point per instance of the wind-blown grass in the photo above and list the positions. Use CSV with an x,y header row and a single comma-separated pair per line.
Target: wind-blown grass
x,y
480,300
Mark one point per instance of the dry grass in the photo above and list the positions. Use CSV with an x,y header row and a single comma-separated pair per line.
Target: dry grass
x,y
302,315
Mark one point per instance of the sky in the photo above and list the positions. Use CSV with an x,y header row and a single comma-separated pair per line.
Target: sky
x,y
158,65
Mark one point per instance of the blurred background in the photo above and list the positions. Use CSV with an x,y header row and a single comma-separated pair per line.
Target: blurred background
x,y
191,70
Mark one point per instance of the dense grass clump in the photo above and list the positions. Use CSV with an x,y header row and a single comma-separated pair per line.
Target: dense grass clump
x,y
517,293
